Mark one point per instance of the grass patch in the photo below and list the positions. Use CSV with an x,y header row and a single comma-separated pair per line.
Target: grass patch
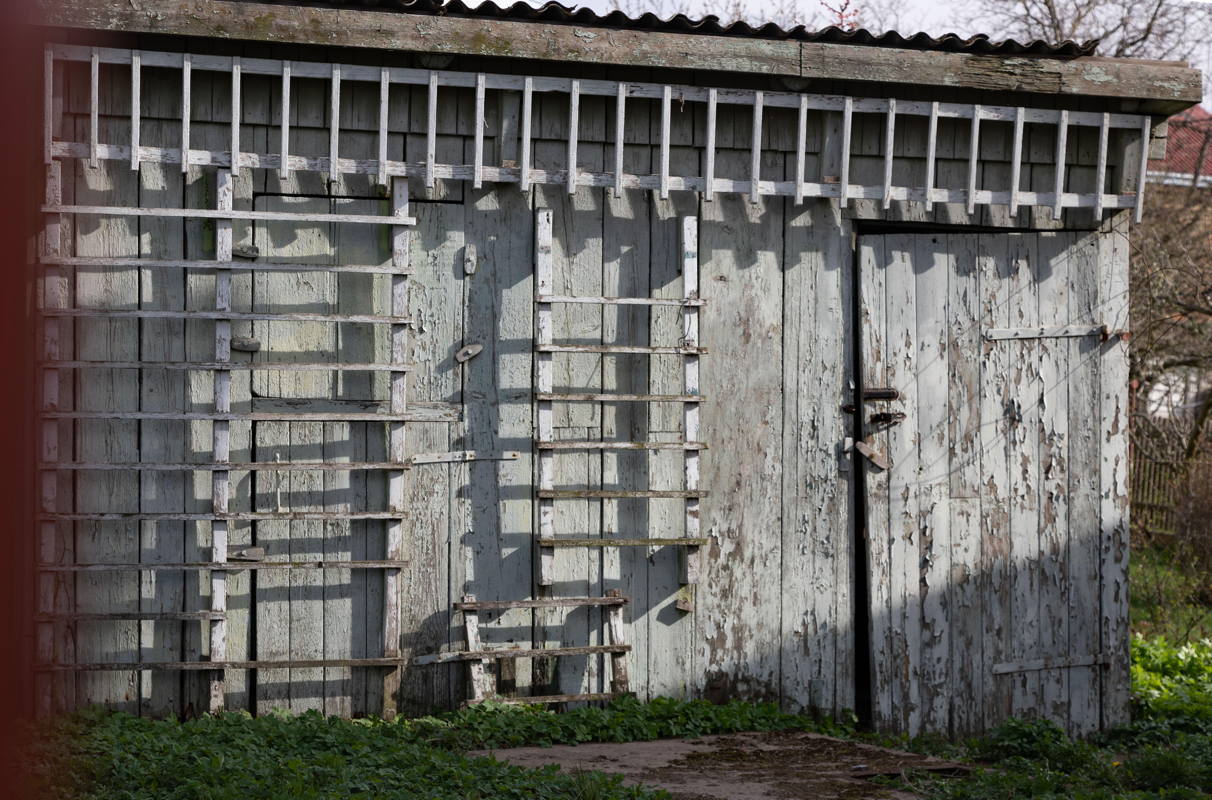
x,y
1171,594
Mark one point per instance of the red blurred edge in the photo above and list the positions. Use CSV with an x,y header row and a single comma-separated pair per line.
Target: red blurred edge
x,y
21,43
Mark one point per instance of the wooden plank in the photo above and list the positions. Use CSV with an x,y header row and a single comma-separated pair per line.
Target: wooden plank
x,y
619,397
690,371
1170,86
574,129
974,149
207,213
619,542
889,148
587,697
544,283
212,264
1062,138
621,301
1053,480
1025,390
933,267
1113,454
964,666
471,622
334,122
620,125
844,143
666,103
1100,171
526,145
1085,470
542,602
604,494
931,154
620,682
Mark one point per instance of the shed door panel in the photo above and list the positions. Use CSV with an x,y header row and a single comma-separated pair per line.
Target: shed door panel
x,y
983,533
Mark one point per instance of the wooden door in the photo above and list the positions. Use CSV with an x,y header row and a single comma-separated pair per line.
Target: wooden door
x,y
997,582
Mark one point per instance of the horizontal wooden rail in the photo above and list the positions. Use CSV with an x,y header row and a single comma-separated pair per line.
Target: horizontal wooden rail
x,y
618,301
547,699
136,666
417,414
542,602
477,655
589,397
615,494
119,616
273,366
605,542
234,516
235,266
571,445
103,313
620,349
211,213
224,566
223,466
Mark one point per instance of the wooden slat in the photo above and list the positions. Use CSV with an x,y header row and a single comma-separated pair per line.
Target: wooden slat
x,y
334,122
420,413
620,111
478,135
229,366
136,107
1016,160
620,682
801,146
237,113
94,105
284,142
526,145
547,652
889,143
48,104
339,466
431,130
1062,138
844,144
646,542
1142,168
620,301
172,263
574,124
755,150
709,147
666,103
542,602
477,668
1100,170
608,494
1046,332
365,319
931,154
384,110
690,378
129,666
619,349
548,699
80,616
227,566
206,213
974,146
570,445
620,398
221,440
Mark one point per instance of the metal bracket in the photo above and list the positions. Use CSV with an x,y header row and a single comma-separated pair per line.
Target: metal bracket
x,y
1058,332
874,456
462,456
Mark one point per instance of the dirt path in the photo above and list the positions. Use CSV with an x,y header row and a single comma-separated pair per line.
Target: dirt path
x,y
743,766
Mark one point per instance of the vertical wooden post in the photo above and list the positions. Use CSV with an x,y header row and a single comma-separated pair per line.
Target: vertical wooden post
x,y
392,588
847,126
221,443
690,411
709,147
94,106
1062,136
1146,128
431,130
889,140
477,179
974,146
1100,171
1016,159
136,106
801,146
620,111
755,155
334,122
931,147
480,688
284,165
527,105
237,112
384,103
187,66
666,109
544,378
574,124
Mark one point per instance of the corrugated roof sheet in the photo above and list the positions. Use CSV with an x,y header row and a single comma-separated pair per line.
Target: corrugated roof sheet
x,y
558,13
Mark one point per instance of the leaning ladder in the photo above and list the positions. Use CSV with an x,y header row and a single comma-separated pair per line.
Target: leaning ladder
x,y
545,397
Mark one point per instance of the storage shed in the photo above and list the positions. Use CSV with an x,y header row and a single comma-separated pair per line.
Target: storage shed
x,y
399,355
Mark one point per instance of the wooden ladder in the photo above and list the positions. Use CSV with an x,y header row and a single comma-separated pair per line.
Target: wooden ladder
x,y
478,657
545,444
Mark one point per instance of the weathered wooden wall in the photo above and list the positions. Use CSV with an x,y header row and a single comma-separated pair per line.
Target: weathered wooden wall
x,y
773,614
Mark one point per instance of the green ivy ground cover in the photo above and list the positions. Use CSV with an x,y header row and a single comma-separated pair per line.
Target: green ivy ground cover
x,y
1166,753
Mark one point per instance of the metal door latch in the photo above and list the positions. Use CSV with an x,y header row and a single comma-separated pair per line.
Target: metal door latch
x,y
886,418
874,456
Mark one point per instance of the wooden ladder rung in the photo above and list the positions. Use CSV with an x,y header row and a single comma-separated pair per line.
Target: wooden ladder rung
x,y
621,301
622,349
615,494
479,655
542,602
586,397
657,542
551,698
579,445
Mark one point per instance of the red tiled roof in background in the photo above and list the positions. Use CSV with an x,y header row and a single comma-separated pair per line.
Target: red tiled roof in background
x,y
1189,144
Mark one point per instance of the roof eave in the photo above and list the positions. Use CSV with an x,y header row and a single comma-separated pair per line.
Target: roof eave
x,y
1161,88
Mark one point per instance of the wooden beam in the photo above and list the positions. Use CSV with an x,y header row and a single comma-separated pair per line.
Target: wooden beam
x,y
1163,87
